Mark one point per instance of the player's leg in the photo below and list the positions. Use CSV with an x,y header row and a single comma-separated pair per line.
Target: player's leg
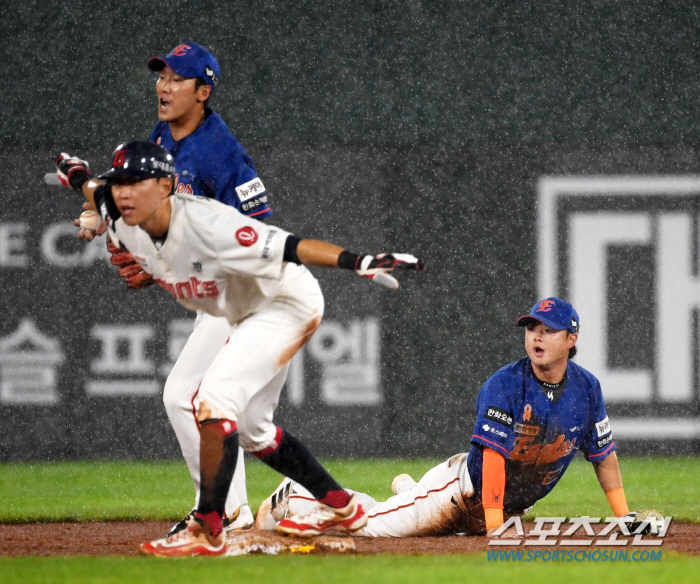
x,y
268,340
437,504
290,499
180,397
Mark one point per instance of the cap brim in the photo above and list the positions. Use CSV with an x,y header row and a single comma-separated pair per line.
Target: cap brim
x,y
157,63
527,319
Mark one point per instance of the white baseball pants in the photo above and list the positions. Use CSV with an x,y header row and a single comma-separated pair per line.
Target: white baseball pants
x,y
435,505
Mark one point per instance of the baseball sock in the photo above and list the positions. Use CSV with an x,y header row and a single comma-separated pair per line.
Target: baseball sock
x,y
218,456
292,459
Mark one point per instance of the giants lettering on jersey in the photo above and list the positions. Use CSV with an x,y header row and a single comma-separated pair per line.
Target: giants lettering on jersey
x,y
193,288
525,450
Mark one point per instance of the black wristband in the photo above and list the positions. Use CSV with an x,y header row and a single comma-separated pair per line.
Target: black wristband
x,y
290,249
79,178
348,260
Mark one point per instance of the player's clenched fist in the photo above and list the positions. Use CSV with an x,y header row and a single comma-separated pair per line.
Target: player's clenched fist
x,y
377,268
72,171
129,268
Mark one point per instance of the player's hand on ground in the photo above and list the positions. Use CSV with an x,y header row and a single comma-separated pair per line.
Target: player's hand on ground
x,y
90,234
129,268
649,520
72,171
377,268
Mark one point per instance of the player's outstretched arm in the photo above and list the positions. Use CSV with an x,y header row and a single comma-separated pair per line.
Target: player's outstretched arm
x,y
610,479
312,252
74,172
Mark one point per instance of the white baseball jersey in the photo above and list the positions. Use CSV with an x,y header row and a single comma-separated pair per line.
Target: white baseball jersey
x,y
213,259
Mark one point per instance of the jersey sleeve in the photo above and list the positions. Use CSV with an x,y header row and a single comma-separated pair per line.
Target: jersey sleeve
x,y
494,417
249,247
236,183
598,443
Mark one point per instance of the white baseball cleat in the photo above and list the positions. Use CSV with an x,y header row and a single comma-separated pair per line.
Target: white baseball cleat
x,y
192,541
402,483
275,507
242,520
324,517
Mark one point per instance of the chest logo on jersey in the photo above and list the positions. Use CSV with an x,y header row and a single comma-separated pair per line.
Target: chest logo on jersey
x,y
498,415
246,236
250,189
193,288
525,449
527,429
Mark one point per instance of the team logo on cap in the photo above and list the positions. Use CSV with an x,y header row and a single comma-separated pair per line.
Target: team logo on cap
x,y
119,157
574,324
209,72
545,306
180,50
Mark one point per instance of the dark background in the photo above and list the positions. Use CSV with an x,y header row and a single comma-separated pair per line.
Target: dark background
x,y
414,126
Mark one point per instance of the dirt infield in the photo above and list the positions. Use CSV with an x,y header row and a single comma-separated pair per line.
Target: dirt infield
x,y
123,538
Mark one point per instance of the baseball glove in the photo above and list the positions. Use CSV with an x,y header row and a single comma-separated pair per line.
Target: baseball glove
x,y
644,522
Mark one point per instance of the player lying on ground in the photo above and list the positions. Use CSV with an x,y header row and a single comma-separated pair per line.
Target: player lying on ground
x,y
532,416
212,258
209,162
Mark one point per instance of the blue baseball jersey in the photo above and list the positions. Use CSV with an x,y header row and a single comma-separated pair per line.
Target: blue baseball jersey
x,y
211,163
537,437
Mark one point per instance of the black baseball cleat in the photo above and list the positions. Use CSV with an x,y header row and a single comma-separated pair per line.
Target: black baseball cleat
x,y
229,524
182,524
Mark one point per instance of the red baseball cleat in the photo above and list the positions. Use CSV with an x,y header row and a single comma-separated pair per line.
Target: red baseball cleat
x,y
193,541
349,518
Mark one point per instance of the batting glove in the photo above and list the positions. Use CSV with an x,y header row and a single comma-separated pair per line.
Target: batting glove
x,y
377,268
129,268
71,171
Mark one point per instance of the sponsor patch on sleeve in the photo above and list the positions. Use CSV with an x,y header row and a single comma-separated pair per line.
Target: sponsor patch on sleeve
x,y
267,250
604,441
498,415
603,427
251,189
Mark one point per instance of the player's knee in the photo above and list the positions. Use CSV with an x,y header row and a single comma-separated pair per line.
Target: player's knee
x,y
178,394
260,440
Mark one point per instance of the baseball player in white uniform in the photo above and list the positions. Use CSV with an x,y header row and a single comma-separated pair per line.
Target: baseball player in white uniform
x,y
214,259
440,503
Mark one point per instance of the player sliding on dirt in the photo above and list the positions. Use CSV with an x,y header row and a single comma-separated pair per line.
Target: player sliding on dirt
x,y
532,416
212,258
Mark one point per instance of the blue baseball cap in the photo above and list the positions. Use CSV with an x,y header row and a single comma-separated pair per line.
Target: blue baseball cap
x,y
189,60
555,313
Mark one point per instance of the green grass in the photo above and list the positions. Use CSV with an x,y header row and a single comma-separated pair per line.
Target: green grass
x,y
670,485
85,491
135,490
386,569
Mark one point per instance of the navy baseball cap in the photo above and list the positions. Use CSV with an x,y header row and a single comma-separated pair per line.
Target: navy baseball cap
x,y
140,161
189,60
555,313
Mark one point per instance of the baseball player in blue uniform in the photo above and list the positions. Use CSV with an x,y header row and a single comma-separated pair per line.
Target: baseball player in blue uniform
x,y
209,162
532,417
